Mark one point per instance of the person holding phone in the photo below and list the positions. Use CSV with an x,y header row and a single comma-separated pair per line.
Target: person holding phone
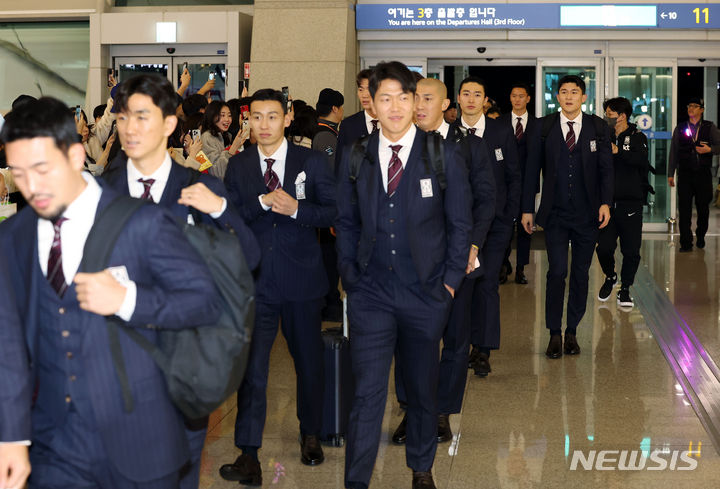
x,y
215,127
691,152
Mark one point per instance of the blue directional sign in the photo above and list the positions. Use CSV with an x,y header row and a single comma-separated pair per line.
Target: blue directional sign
x,y
447,16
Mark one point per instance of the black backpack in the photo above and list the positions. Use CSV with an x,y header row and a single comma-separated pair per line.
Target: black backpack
x,y
202,366
433,152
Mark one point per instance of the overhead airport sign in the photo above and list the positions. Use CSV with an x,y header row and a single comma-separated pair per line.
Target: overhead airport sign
x,y
445,16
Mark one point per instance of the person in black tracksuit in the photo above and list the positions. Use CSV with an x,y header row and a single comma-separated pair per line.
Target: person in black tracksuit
x,y
630,162
691,150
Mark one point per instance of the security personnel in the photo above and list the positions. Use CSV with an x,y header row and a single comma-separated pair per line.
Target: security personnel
x,y
330,112
630,162
502,152
693,145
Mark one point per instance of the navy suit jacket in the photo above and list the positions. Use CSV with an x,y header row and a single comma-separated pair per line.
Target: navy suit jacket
x,y
482,184
178,179
502,152
438,227
174,290
351,129
291,266
597,160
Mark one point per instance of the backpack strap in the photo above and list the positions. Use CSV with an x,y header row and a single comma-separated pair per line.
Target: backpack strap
x,y
96,254
434,144
358,154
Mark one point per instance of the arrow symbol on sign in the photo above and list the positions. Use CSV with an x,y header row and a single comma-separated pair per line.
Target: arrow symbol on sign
x,y
663,15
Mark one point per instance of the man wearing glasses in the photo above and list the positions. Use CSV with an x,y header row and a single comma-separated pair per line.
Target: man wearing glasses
x,y
694,142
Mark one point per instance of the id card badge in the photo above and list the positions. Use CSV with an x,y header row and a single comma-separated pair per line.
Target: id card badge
x,y
498,154
626,145
426,188
300,190
593,146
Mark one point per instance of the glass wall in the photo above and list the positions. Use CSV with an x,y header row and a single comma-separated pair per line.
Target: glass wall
x,y
44,58
551,76
649,89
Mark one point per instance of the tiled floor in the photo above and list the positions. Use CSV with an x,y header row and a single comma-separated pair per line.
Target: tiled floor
x,y
521,425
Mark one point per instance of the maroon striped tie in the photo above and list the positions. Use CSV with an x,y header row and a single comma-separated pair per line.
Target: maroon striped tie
x,y
395,170
374,123
519,129
471,130
570,137
146,194
272,182
55,274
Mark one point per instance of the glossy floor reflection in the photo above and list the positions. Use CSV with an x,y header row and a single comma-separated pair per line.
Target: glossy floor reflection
x,y
521,425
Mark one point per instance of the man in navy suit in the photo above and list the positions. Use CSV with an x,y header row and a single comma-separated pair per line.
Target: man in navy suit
x,y
577,165
146,164
146,117
82,435
431,102
520,122
360,123
403,247
502,152
284,192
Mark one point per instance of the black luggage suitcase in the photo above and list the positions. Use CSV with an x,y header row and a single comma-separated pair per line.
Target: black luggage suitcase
x,y
339,386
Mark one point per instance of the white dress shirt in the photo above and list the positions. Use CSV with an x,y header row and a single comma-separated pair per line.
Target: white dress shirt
x,y
576,127
385,153
368,122
444,129
280,155
523,121
161,176
479,125
80,216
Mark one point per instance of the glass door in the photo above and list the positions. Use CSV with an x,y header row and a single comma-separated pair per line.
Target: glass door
x,y
551,70
649,85
127,67
203,69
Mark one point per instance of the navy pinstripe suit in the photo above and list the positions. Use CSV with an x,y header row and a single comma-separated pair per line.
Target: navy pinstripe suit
x,y
291,283
147,445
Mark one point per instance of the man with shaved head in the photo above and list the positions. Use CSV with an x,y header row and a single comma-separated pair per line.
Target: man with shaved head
x,y
430,103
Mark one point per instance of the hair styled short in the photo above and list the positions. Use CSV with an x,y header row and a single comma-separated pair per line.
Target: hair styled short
x,y
157,88
363,75
472,79
269,94
621,105
393,70
574,79
44,118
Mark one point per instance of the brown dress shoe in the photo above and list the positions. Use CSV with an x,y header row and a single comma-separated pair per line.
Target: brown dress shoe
x,y
400,435
423,480
444,431
311,453
246,470
554,349
571,345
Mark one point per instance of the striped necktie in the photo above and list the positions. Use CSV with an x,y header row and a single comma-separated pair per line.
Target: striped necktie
x,y
570,137
55,274
519,129
395,170
272,181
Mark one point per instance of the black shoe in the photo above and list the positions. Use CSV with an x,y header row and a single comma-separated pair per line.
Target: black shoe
x,y
571,345
423,480
700,242
311,453
502,278
482,365
623,297
685,249
607,287
400,435
520,277
554,349
474,352
508,268
246,470
444,431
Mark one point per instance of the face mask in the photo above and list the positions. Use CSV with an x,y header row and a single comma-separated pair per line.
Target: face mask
x,y
611,121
